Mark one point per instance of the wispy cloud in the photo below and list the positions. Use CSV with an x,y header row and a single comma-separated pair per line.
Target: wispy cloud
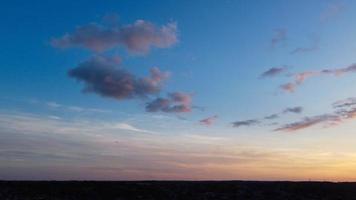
x,y
129,127
280,35
272,116
257,121
55,105
209,120
344,110
101,76
301,77
309,121
332,10
138,37
250,122
314,45
274,71
345,103
32,146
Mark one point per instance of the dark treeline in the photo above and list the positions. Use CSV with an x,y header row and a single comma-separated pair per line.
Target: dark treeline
x,y
172,190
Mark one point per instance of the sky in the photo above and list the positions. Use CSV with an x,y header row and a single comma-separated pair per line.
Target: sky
x,y
178,90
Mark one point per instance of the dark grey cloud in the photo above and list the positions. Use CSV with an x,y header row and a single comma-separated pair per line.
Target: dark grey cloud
x,y
309,121
138,37
249,122
102,76
297,109
274,71
272,116
176,102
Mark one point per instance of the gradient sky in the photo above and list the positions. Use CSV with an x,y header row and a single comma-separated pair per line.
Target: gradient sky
x,y
132,90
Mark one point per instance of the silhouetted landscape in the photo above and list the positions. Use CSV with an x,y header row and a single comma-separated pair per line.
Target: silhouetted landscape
x,y
171,190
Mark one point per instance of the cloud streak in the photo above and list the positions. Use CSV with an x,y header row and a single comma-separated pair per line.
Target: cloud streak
x,y
309,121
253,122
331,11
300,78
250,122
274,71
138,37
313,47
344,110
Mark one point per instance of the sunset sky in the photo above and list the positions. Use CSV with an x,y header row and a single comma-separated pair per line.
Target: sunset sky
x,y
187,90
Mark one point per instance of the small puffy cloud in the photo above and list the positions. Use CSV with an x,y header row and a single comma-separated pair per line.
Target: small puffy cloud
x,y
102,76
209,120
249,122
301,77
272,116
280,35
309,121
138,37
176,102
274,71
288,87
297,109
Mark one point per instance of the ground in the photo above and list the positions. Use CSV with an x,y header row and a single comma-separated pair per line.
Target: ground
x,y
172,190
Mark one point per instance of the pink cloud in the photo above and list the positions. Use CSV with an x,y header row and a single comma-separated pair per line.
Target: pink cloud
x,y
208,121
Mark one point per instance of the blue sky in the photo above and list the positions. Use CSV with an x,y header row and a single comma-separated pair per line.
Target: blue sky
x,y
207,96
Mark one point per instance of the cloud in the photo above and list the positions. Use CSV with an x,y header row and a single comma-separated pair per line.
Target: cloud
x,y
312,47
209,120
297,109
272,116
274,71
288,87
101,76
344,110
331,11
280,35
249,122
176,102
55,105
128,127
309,121
351,101
340,71
138,37
299,78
